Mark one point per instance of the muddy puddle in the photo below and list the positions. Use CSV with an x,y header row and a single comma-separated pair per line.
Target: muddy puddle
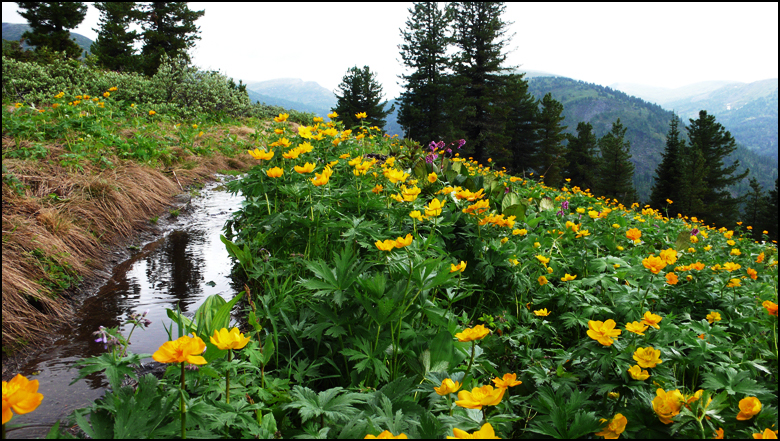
x,y
181,266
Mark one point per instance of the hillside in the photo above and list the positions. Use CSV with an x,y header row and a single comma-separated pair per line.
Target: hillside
x,y
647,125
14,31
293,93
748,111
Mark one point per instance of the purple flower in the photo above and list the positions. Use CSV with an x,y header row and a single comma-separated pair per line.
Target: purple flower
x,y
430,158
694,232
432,145
506,190
440,145
449,151
565,205
559,213
101,339
461,143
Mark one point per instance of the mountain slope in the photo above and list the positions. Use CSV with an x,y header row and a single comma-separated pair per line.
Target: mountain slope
x,y
14,31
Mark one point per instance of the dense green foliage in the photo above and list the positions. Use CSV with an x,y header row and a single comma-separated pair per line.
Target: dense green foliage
x,y
169,29
552,157
582,167
616,172
49,23
114,44
669,177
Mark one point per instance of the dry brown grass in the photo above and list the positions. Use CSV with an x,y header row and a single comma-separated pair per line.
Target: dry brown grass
x,y
92,209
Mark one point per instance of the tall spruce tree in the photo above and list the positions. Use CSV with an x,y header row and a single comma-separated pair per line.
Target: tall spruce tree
x,y
169,29
481,36
552,152
581,157
670,174
49,23
616,174
769,213
521,124
693,185
360,92
423,105
715,143
114,44
753,202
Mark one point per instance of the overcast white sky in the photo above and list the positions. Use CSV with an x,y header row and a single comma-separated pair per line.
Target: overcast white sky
x,y
660,44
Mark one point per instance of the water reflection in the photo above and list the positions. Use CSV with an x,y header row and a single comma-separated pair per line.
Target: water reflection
x,y
175,270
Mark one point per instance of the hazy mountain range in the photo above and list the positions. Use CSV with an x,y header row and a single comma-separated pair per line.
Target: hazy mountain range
x,y
14,31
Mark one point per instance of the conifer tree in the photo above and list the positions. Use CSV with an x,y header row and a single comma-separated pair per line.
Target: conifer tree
x,y
769,213
423,105
114,44
753,202
481,36
669,174
360,92
49,23
521,124
169,28
693,184
616,174
581,157
552,159
715,143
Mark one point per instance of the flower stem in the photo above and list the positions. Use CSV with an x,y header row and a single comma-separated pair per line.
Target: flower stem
x,y
227,377
181,406
471,361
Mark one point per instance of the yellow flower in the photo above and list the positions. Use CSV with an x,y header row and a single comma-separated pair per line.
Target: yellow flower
x,y
537,244
432,178
261,154
544,260
395,176
520,232
603,332
654,264
386,435
403,241
651,319
669,256
184,349
637,373
485,432
648,357
333,115
152,112
361,115
550,270
713,317
767,434
667,404
447,387
731,266
760,258
752,273
619,248
748,407
224,339
542,312
636,328
671,278
542,280
480,396
735,252
21,396
306,168
614,428
771,307
459,267
274,172
434,207
633,234
377,189
322,178
410,194
387,245
417,215
508,380
282,117
568,278
733,283
731,243
476,333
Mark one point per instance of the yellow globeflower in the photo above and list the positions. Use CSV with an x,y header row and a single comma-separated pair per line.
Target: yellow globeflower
x,y
403,241
387,245
432,178
669,256
636,328
671,278
282,117
733,283
416,215
748,408
614,428
637,373
544,260
305,168
654,264
568,278
361,115
434,207
480,396
184,349
767,434
459,267
224,339
633,234
476,333
20,395
648,357
542,280
333,115
261,154
275,172
651,319
667,404
152,112
713,317
508,380
485,432
542,312
447,387
603,332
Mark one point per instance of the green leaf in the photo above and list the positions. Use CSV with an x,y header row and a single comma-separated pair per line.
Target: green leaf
x,y
517,210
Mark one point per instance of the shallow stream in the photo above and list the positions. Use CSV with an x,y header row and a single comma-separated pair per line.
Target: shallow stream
x,y
181,266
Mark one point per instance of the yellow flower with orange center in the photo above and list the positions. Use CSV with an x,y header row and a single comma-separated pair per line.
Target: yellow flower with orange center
x,y
648,357
651,319
748,408
275,172
541,312
633,234
667,404
636,328
603,332
403,241
713,317
508,380
542,280
637,373
654,264
447,387
480,396
306,168
20,395
185,349
386,435
478,332
614,428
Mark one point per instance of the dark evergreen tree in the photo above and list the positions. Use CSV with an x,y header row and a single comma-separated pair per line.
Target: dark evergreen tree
x,y
423,105
521,124
693,185
669,174
481,36
715,143
616,174
769,213
552,153
49,23
360,92
169,29
583,162
753,208
114,44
